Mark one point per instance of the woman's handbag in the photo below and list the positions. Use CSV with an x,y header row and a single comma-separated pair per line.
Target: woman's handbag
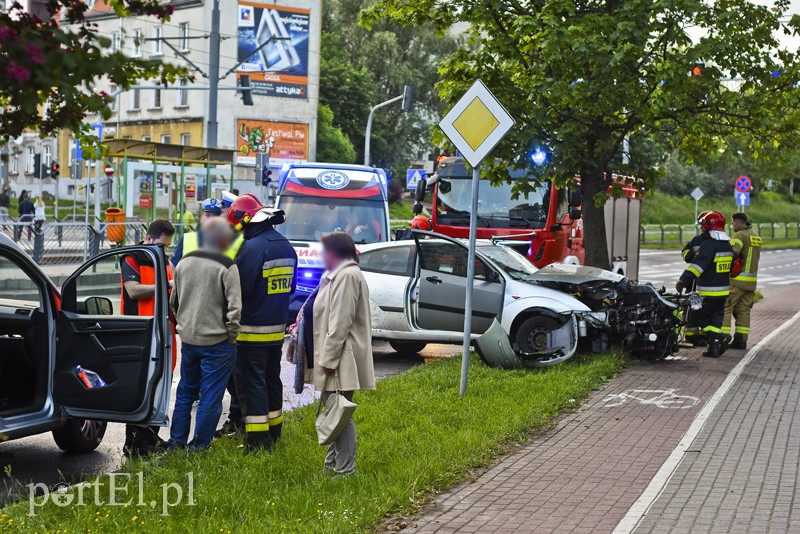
x,y
333,416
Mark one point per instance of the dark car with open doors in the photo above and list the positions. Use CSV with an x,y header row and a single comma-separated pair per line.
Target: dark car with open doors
x,y
70,361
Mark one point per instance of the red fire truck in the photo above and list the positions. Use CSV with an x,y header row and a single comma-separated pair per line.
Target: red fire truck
x,y
545,224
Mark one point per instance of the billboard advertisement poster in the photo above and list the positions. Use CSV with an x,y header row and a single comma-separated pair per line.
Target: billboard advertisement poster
x,y
285,142
145,180
273,48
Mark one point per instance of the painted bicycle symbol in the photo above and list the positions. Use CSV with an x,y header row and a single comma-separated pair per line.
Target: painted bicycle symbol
x,y
661,398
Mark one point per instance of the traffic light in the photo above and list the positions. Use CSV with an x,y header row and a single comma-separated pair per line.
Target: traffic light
x,y
266,176
54,170
697,69
37,166
409,93
247,93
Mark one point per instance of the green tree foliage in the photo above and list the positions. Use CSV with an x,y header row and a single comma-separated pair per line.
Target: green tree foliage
x,y
53,57
580,76
362,67
333,145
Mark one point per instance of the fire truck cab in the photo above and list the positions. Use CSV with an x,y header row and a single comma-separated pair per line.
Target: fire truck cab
x,y
544,224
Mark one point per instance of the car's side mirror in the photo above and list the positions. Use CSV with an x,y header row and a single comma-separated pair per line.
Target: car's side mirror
x,y
94,306
419,192
417,208
445,186
575,214
573,198
492,275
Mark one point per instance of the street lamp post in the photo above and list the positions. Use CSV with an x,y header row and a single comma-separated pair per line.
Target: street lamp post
x,y
407,97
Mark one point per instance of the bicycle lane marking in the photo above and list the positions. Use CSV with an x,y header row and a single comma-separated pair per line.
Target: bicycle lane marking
x,y
661,398
657,484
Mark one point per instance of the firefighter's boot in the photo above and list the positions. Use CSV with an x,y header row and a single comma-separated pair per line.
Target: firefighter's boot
x,y
724,343
713,347
275,428
739,342
259,441
138,442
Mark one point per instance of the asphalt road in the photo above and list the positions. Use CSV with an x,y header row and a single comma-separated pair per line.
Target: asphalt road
x,y
37,459
776,267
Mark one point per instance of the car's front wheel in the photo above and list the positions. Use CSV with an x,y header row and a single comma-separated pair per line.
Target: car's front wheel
x,y
408,347
532,339
80,436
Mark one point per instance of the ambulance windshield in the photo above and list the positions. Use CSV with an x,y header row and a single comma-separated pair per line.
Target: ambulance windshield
x,y
309,218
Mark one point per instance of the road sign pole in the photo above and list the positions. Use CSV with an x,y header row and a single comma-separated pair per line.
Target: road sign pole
x,y
696,212
473,230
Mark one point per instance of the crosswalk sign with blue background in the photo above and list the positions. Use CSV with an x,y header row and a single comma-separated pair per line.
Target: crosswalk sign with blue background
x,y
742,199
413,176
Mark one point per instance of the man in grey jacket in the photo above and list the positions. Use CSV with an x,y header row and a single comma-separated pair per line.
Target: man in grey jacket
x,y
207,302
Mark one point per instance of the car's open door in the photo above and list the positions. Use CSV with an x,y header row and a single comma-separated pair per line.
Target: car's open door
x,y
442,287
110,365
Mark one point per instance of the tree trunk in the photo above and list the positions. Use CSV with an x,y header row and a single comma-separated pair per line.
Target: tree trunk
x,y
791,186
594,221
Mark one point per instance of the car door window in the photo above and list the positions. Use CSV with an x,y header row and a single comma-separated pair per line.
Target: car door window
x,y
390,260
449,258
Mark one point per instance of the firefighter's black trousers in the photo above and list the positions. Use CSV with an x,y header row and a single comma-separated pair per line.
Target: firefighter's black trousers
x,y
260,391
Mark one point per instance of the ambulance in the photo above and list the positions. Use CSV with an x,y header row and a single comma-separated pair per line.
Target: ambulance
x,y
320,198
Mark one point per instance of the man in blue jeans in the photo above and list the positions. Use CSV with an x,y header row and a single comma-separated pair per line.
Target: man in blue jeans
x,y
207,302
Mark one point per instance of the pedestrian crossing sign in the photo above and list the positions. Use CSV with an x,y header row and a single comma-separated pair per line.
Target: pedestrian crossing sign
x,y
413,176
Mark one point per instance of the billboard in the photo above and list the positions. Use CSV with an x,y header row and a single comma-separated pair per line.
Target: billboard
x,y
273,48
285,142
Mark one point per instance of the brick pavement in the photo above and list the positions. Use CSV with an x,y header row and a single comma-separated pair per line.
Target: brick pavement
x,y
585,473
742,472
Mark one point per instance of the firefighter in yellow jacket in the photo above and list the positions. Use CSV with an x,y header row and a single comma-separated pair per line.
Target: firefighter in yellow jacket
x,y
747,249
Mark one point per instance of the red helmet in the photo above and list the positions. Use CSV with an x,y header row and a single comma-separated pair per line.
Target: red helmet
x,y
702,215
713,221
243,209
420,222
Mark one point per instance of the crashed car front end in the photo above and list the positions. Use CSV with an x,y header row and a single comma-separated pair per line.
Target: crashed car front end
x,y
642,320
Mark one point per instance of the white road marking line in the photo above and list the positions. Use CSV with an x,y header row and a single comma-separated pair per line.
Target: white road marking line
x,y
642,505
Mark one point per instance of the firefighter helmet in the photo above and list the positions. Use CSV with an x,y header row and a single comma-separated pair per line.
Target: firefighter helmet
x,y
243,209
420,222
713,221
702,215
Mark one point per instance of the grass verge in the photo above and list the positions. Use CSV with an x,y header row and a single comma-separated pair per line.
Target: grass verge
x,y
766,207
415,435
401,210
768,244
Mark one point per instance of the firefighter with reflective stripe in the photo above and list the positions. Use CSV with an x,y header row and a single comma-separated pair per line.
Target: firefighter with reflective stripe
x,y
267,264
693,331
746,245
710,271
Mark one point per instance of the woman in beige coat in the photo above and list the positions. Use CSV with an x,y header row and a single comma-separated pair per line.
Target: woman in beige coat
x,y
342,339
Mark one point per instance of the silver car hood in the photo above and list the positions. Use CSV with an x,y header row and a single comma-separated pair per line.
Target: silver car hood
x,y
573,274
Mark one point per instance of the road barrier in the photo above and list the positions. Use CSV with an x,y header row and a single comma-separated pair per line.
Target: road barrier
x,y
56,243
681,233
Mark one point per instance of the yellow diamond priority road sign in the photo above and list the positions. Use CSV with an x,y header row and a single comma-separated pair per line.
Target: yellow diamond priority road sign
x,y
476,123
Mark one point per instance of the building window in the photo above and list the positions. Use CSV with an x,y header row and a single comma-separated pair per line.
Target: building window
x,y
135,96
47,155
146,138
157,97
116,41
114,99
186,139
183,34
13,165
183,94
31,152
137,42
166,138
157,34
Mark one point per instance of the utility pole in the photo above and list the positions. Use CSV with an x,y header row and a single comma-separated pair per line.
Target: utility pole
x,y
213,77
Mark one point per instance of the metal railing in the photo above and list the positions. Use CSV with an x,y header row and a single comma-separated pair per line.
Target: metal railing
x,y
56,243
681,233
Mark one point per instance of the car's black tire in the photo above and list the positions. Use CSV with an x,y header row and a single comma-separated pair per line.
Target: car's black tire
x,y
80,436
408,347
528,340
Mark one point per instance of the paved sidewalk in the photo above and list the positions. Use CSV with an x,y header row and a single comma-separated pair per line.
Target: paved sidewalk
x,y
584,474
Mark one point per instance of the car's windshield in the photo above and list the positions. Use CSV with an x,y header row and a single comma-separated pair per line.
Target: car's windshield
x,y
496,208
510,260
309,218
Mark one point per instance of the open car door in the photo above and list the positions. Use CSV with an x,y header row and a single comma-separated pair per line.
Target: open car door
x,y
111,366
442,287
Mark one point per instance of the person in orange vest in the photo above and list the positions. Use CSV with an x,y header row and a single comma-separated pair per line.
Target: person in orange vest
x,y
138,298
